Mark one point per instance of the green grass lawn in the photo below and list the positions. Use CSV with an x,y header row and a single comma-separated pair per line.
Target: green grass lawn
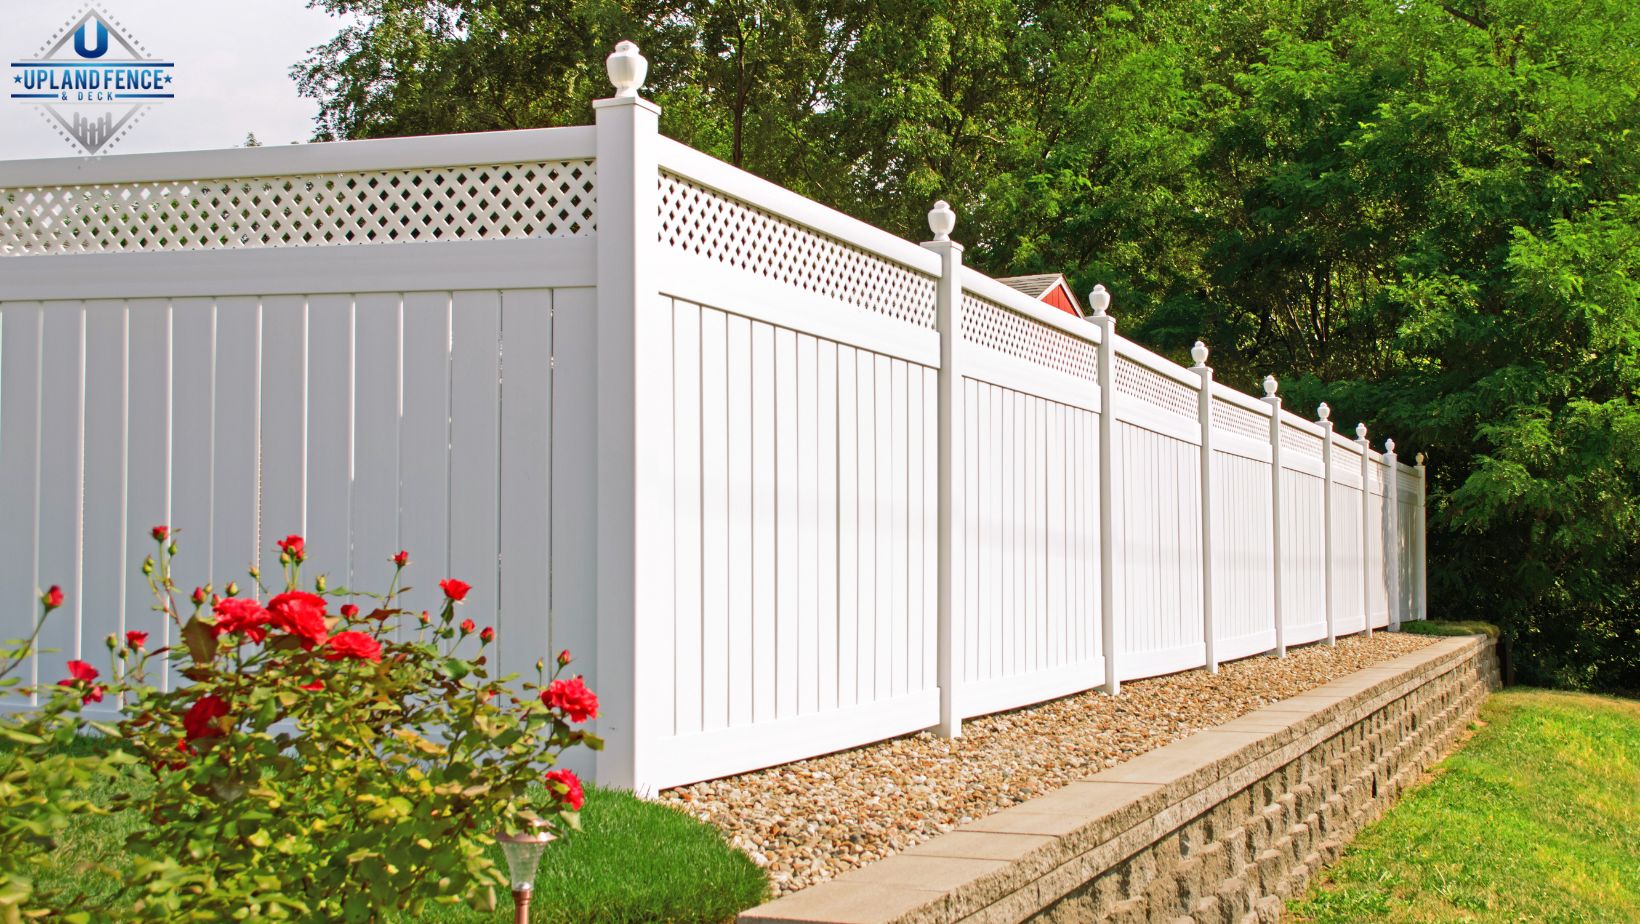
x,y
1536,818
1450,627
636,862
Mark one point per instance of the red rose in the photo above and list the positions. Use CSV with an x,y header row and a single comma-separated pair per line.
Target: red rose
x,y
349,610
159,533
136,639
302,615
295,547
200,721
467,626
53,597
487,636
570,784
401,559
454,589
354,645
564,658
240,615
83,674
572,698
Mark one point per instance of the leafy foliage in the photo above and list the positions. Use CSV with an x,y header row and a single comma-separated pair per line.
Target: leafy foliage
x,y
1424,213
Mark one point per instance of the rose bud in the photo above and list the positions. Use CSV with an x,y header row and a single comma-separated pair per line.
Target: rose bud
x,y
401,559
198,596
467,626
52,598
487,636
349,610
232,588
564,658
160,533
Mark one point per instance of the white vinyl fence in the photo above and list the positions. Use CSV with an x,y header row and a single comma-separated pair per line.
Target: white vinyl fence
x,y
783,482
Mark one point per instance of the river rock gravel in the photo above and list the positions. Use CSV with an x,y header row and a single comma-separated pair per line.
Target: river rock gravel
x,y
808,821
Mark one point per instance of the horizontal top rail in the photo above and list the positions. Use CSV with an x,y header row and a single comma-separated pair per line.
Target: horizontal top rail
x,y
1246,402
525,146
1156,362
708,171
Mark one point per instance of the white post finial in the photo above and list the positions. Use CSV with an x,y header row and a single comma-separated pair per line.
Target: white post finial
x,y
941,220
1099,301
1389,445
627,69
1199,353
1420,458
1270,386
1360,431
1323,412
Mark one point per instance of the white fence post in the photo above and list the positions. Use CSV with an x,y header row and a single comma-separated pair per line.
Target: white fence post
x,y
1392,528
1323,415
1204,412
1099,302
1274,400
1420,546
1366,507
948,295
634,432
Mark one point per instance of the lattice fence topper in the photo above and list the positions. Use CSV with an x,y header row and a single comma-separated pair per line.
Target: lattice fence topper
x,y
989,324
702,221
1237,419
1148,385
1300,441
547,199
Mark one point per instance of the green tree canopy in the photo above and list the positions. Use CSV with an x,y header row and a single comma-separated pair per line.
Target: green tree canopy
x,y
1423,213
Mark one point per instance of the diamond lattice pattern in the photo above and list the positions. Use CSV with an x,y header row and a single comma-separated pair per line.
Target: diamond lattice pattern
x,y
989,324
1237,419
1300,441
1155,388
706,223
549,199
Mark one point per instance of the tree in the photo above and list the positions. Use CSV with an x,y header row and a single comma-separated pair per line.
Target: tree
x,y
1421,212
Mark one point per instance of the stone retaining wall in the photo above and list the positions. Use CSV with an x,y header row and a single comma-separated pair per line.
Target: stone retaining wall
x,y
1220,827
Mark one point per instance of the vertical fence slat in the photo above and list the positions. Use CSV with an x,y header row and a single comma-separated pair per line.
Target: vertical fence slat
x,y
235,488
193,437
424,443
807,565
574,509
61,457
20,330
374,530
714,517
765,493
149,475
522,624
848,527
826,548
106,535
330,441
740,561
284,419
786,543
475,447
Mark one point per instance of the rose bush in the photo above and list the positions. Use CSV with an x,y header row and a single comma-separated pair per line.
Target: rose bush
x,y
324,764
295,763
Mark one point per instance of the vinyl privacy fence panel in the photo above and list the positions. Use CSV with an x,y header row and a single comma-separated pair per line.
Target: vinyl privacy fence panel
x,y
782,482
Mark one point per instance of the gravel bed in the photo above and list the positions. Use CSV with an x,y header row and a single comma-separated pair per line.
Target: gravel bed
x,y
805,822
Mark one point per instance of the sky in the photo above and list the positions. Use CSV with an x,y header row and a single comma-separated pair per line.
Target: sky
x,y
232,71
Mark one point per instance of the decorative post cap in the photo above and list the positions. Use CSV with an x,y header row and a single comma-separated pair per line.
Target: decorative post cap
x,y
1360,431
1389,446
1199,353
1099,301
941,220
1323,412
627,69
1420,458
1270,386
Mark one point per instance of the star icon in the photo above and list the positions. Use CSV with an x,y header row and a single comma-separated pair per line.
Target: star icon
x,y
16,78
167,78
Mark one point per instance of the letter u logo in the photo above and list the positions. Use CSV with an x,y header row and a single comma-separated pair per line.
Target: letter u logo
x,y
102,40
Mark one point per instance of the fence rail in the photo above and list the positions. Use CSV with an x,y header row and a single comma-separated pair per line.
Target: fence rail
x,y
783,482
